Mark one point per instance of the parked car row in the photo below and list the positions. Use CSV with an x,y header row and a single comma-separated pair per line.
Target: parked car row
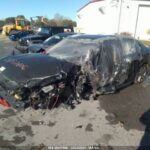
x,y
43,46
42,34
45,36
77,67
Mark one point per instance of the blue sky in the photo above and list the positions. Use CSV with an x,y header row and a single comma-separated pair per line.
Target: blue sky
x,y
46,8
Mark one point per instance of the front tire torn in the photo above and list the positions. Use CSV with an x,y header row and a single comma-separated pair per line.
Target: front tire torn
x,y
141,74
83,87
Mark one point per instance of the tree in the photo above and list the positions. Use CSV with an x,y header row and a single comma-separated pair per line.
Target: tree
x,y
63,21
58,20
2,23
10,20
52,22
21,16
57,16
69,23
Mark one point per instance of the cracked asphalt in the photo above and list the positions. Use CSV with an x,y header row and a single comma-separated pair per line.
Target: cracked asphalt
x,y
113,122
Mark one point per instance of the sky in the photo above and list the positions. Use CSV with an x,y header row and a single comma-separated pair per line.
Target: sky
x,y
47,8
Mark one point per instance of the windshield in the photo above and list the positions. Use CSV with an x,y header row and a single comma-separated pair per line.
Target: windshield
x,y
53,40
73,47
21,23
43,31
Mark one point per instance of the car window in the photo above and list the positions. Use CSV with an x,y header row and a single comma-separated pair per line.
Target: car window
x,y
53,40
131,48
113,49
108,57
43,31
57,30
128,45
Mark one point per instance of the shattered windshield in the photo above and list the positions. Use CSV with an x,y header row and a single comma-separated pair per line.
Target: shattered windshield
x,y
73,47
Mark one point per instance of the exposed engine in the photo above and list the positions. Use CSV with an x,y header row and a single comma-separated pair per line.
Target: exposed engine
x,y
49,92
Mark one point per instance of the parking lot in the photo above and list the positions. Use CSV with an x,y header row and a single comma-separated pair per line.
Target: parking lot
x,y
112,121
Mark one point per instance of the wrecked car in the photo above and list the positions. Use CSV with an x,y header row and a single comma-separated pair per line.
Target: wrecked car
x,y
76,68
43,47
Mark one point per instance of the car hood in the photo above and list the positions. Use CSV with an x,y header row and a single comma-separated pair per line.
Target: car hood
x,y
33,37
36,47
19,69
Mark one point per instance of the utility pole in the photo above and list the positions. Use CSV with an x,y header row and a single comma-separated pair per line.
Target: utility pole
x,y
137,18
120,12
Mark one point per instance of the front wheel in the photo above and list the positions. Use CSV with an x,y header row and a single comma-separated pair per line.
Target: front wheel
x,y
141,74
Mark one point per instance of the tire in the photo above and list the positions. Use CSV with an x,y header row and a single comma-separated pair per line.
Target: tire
x,y
140,76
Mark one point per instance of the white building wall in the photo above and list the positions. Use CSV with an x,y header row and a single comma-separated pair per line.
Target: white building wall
x,y
103,18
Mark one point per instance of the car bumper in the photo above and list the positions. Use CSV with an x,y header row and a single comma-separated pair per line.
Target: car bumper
x,y
10,100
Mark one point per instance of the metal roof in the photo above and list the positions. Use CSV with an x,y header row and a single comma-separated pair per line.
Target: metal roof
x,y
92,1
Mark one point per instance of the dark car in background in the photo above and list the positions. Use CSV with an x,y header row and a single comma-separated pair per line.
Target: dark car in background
x,y
20,34
43,47
75,68
42,34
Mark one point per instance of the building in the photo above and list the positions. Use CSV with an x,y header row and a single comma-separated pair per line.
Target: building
x,y
115,16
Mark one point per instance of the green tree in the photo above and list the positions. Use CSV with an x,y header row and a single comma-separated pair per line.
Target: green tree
x,y
21,16
2,23
69,23
64,21
52,22
10,20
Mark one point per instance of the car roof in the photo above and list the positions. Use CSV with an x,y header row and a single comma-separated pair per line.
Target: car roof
x,y
100,36
90,36
65,33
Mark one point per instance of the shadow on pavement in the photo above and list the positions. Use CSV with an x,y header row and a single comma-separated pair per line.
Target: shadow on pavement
x,y
145,141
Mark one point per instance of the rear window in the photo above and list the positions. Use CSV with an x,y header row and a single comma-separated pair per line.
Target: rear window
x,y
56,30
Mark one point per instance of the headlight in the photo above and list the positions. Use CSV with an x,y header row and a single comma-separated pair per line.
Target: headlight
x,y
28,42
17,97
20,40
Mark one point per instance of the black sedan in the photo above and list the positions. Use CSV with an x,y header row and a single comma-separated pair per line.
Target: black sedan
x,y
75,68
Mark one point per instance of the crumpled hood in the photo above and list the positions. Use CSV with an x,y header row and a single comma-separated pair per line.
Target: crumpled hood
x,y
21,68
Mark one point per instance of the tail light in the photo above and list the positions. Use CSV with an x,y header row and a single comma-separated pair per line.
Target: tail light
x,y
4,103
43,51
